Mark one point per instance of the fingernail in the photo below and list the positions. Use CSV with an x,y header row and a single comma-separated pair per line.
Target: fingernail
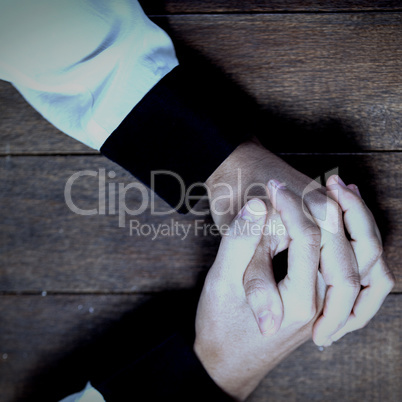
x,y
266,322
276,184
357,190
340,181
253,210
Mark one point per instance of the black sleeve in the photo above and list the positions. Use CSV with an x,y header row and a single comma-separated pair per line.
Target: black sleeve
x,y
169,372
147,354
189,123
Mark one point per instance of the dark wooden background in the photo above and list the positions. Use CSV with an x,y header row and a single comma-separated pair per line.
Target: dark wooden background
x,y
326,77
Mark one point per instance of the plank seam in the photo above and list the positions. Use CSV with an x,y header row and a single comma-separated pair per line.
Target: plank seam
x,y
280,12
95,293
44,154
99,293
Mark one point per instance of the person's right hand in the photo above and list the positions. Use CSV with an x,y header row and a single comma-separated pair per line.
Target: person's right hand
x,y
228,342
376,278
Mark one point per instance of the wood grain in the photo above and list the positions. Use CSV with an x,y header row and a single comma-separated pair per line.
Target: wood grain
x,y
40,334
327,73
42,339
265,6
45,246
365,365
326,79
58,250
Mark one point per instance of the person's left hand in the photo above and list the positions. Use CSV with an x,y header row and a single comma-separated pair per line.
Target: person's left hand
x,y
228,342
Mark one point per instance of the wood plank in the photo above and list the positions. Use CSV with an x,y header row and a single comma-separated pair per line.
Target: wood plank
x,y
331,83
24,130
87,253
265,6
45,341
364,365
46,246
40,337
335,76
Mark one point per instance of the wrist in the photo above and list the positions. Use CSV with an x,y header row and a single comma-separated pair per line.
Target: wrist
x,y
242,176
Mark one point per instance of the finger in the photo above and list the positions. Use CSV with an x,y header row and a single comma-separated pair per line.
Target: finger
x,y
341,274
369,301
358,219
355,189
304,246
262,292
240,241
377,278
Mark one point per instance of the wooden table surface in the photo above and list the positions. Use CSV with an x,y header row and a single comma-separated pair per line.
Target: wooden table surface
x,y
328,76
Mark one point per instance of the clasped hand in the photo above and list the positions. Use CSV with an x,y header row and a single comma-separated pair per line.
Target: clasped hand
x,y
246,323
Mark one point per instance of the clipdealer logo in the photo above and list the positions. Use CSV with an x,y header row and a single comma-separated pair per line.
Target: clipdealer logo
x,y
200,228
109,193
112,198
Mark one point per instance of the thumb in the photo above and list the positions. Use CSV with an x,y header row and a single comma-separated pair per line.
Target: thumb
x,y
262,292
240,240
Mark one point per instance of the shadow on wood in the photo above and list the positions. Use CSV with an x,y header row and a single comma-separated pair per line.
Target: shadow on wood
x,y
103,350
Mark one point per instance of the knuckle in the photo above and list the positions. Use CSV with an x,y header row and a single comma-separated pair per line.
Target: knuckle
x,y
312,235
389,280
374,252
352,282
377,250
254,287
327,213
